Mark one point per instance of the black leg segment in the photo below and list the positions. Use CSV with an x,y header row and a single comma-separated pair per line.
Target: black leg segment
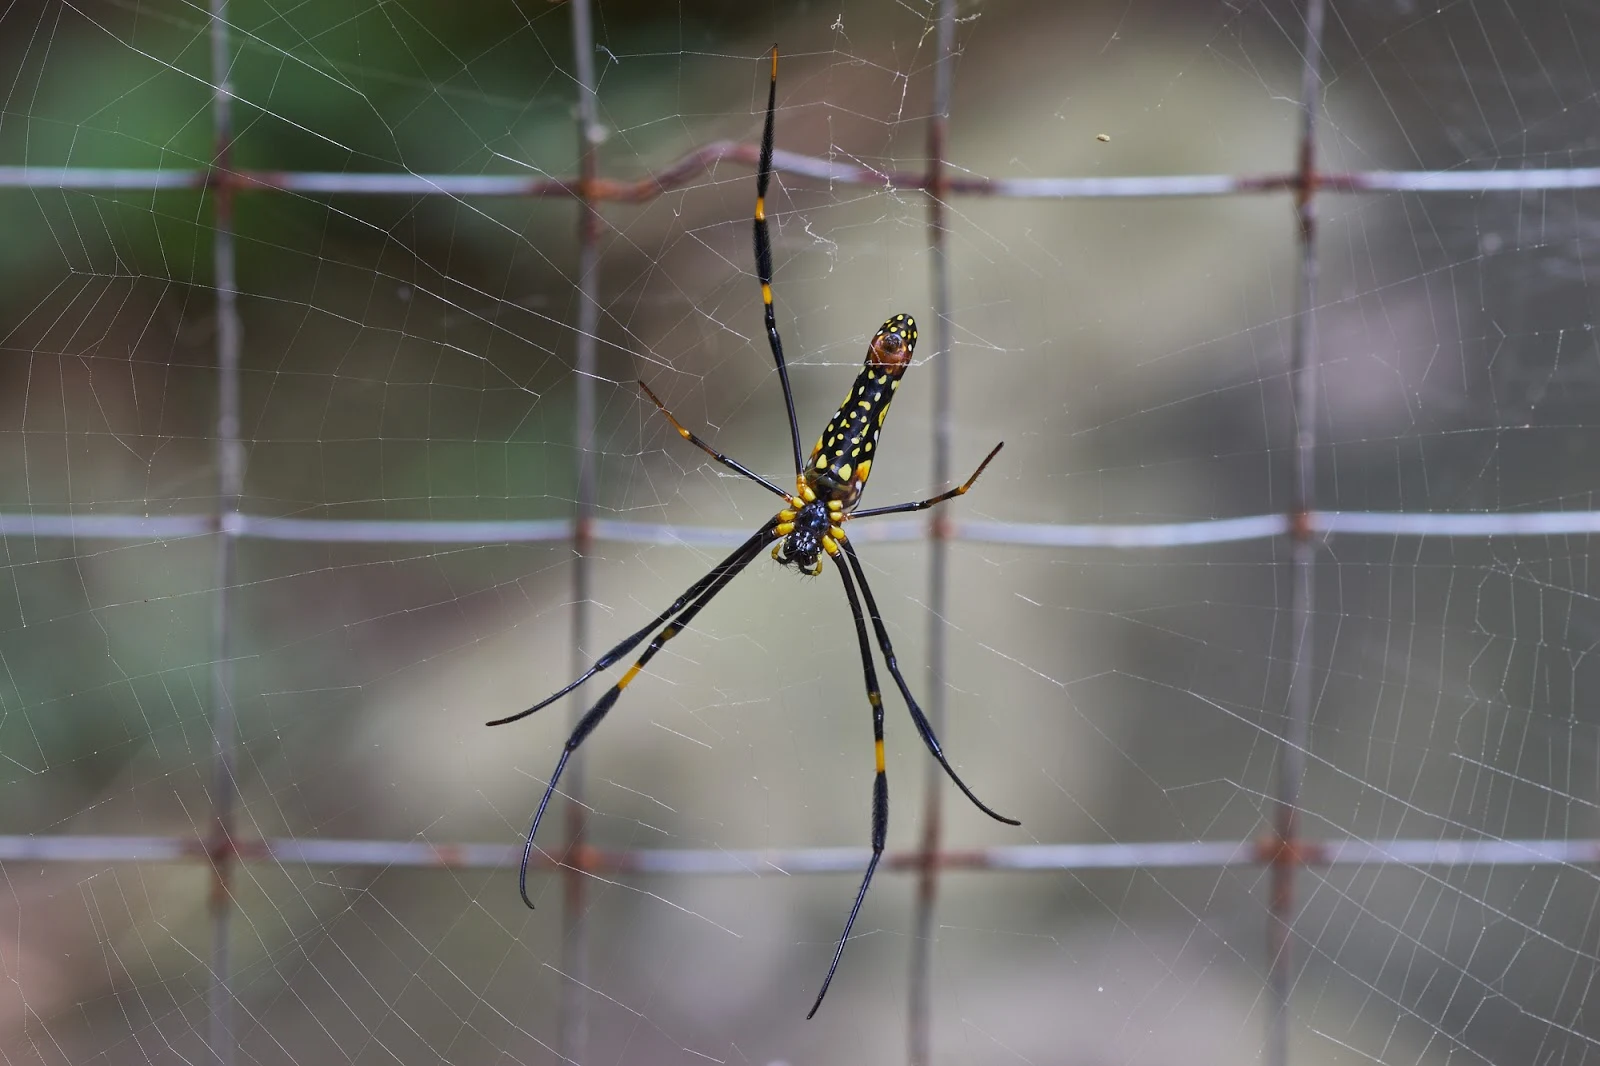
x,y
923,505
731,464
720,577
764,260
880,782
745,552
924,727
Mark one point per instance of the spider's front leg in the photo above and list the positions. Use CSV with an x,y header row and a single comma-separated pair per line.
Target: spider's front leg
x,y
880,780
918,718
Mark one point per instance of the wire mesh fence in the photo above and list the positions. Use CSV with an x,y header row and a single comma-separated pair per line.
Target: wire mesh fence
x,y
1282,849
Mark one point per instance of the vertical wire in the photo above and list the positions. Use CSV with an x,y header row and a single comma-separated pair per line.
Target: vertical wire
x,y
1291,753
574,1031
230,486
919,1015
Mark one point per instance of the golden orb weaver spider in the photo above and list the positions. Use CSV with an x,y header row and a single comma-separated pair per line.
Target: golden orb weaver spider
x,y
811,524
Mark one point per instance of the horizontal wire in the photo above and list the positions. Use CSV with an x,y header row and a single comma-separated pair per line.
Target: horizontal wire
x,y
685,170
160,528
722,861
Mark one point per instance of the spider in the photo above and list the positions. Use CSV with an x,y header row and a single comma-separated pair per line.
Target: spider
x,y
808,527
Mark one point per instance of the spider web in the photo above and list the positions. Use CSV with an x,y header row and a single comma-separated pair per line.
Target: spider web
x,y
409,358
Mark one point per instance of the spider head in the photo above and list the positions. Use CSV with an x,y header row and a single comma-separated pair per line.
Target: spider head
x,y
802,548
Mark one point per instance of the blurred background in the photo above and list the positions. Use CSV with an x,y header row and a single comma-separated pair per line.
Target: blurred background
x,y
412,358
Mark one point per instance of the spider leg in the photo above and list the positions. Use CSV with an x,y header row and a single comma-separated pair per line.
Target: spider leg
x,y
924,727
723,574
731,464
880,783
923,505
737,561
764,261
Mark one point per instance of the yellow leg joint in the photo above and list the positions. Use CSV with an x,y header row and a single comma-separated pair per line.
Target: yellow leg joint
x,y
878,750
633,672
766,295
783,529
831,546
761,209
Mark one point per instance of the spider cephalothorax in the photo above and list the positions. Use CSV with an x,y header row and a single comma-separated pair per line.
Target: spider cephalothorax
x,y
812,529
808,532
808,528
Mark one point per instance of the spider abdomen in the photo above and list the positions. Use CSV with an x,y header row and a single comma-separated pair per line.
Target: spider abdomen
x,y
841,462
